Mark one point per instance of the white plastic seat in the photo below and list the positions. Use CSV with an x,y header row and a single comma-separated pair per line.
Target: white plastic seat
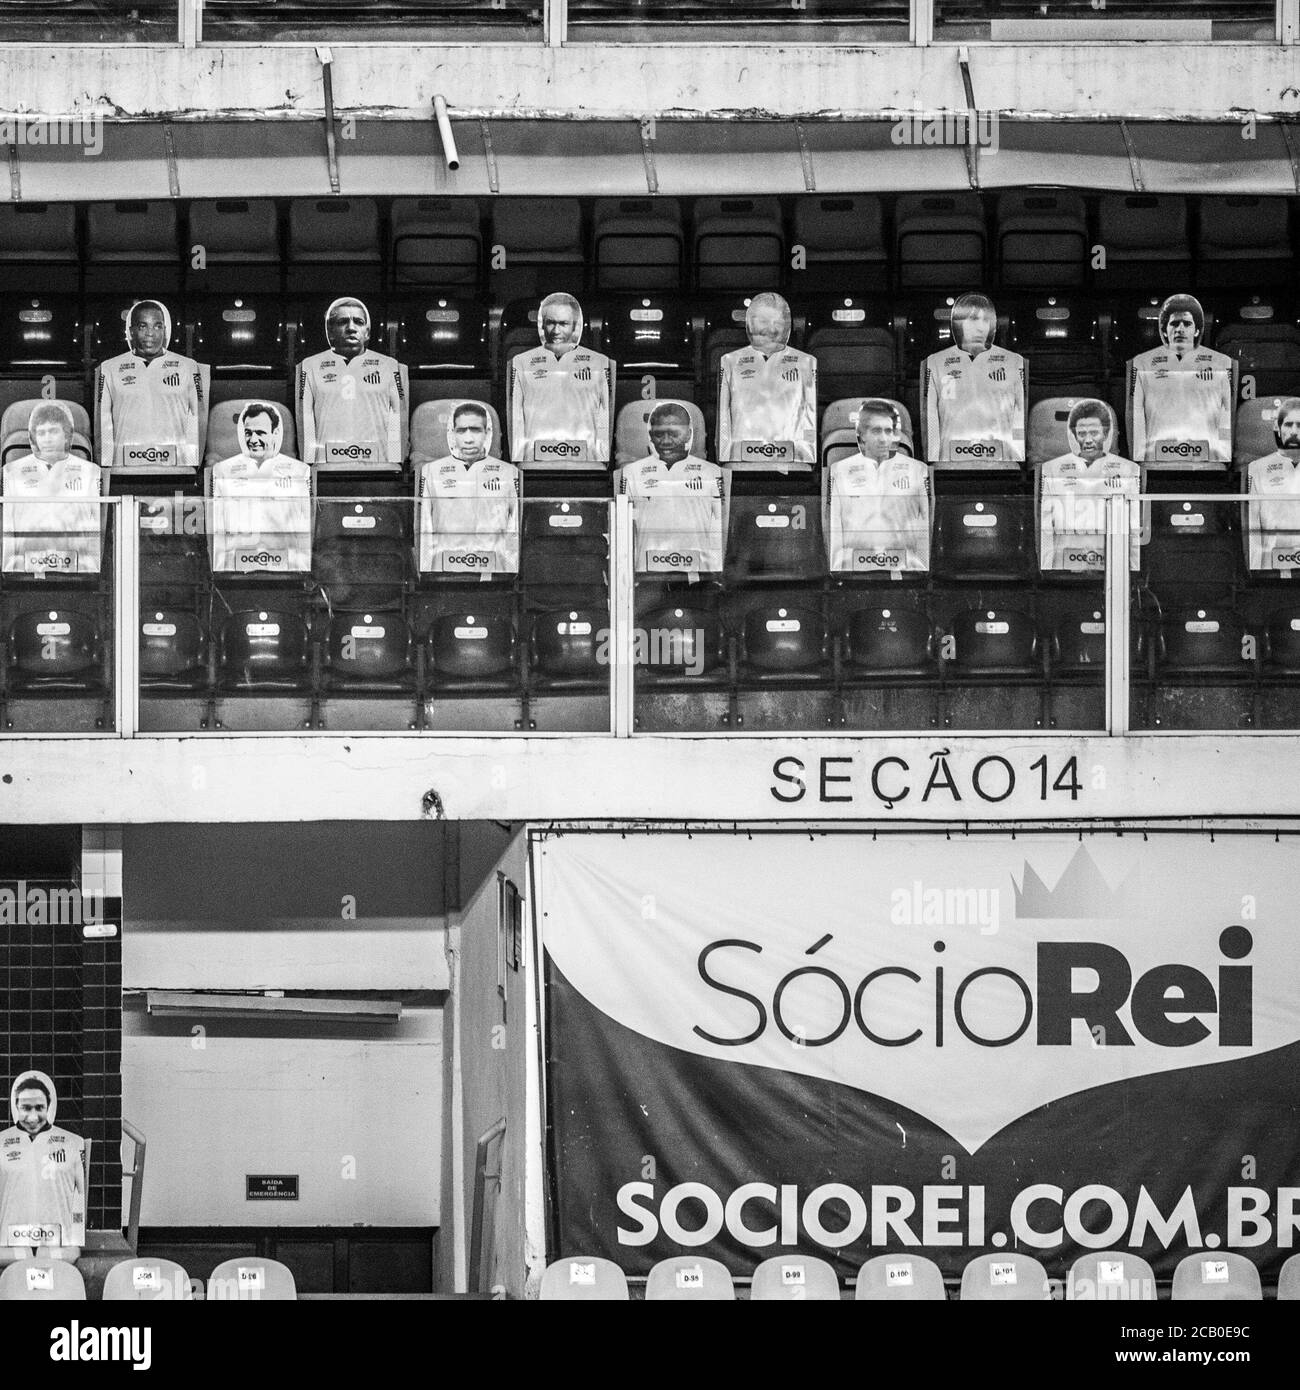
x,y
794,1279
251,1279
1105,1276
689,1278
1216,1276
910,1278
583,1279
1005,1278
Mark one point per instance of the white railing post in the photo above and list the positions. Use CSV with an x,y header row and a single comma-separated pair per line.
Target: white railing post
x,y
1117,615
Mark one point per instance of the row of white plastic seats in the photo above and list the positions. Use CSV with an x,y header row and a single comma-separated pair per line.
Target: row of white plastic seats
x,y
1048,436
143,1280
1107,1275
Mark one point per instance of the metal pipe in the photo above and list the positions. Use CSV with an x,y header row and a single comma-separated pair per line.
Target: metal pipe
x,y
449,151
481,1178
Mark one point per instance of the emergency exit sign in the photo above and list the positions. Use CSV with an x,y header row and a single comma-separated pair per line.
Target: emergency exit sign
x,y
271,1187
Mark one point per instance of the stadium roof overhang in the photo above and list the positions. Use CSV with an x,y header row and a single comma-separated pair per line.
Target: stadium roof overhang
x,y
667,156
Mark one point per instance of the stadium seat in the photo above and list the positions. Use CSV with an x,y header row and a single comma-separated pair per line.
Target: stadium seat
x,y
438,242
1253,429
15,438
444,344
1145,239
333,249
1042,238
250,1278
739,244
1288,1280
368,651
784,635
686,1278
1109,1276
430,422
38,242
244,339
794,1279
1218,1276
1008,1277
266,649
1062,340
995,642
240,238
983,539
839,431
774,538
542,242
638,245
685,640
565,543
468,649
1193,543
173,650
1203,639
40,334
1282,642
939,240
724,331
1048,436
55,649
913,1278
132,245
570,645
1243,240
583,1278
650,336
146,1280
42,1280
843,244
361,552
853,356
1078,641
884,640
223,437
632,429
1267,354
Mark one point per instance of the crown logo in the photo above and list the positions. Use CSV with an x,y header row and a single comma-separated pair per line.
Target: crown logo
x,y
1081,891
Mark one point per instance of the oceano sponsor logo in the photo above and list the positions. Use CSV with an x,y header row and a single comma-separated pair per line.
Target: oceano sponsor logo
x,y
560,449
1042,1216
979,451
148,455
1085,557
1287,557
1184,450
23,904
469,559
264,559
880,559
1114,1009
351,451
670,559
766,451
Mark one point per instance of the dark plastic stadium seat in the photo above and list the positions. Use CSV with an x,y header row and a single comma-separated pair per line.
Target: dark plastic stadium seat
x,y
583,1278
888,639
1042,238
146,1279
55,649
1282,642
689,1278
981,538
1079,642
240,238
1145,239
173,650
774,538
570,645
843,244
368,651
839,428
437,241
739,244
254,1279
565,543
939,240
39,334
995,642
1267,355
1193,543
1244,240
854,354
639,244
901,1277
333,234
242,337
724,331
784,635
472,648
361,551
1205,639
542,241
1062,339
1216,1276
266,649
632,429
679,640
1103,1276
794,1278
1008,1277
38,245
649,335
444,341
132,244
42,1280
